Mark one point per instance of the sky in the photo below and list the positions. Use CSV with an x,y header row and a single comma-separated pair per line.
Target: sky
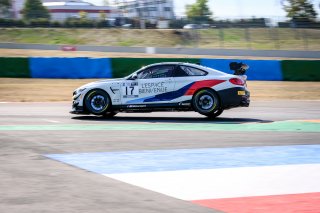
x,y
235,8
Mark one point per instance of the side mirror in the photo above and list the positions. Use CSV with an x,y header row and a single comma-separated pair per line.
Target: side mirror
x,y
134,76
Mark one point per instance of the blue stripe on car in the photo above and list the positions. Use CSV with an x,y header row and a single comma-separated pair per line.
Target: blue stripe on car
x,y
168,96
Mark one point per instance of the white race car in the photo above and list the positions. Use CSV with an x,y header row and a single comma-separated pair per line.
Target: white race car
x,y
171,86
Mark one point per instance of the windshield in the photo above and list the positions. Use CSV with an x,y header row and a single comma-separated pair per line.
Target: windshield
x,y
129,77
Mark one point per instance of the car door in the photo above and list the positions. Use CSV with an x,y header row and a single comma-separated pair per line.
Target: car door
x,y
153,85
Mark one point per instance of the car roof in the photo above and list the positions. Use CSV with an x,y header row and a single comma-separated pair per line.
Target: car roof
x,y
201,67
207,69
172,63
185,64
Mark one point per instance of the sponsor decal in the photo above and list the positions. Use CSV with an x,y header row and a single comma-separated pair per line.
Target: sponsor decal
x,y
136,106
154,87
184,104
114,90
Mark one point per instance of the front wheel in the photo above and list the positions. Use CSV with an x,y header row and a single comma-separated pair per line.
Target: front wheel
x,y
109,114
97,102
207,103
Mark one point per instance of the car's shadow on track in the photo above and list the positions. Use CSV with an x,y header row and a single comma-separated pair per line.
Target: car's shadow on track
x,y
171,119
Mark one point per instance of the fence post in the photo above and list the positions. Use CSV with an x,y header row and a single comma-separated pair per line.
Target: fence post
x,y
248,38
274,34
305,39
197,38
221,38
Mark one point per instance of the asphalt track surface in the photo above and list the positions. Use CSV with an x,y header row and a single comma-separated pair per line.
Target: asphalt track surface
x,y
30,132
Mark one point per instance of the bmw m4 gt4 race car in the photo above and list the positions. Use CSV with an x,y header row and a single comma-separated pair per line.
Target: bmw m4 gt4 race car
x,y
171,86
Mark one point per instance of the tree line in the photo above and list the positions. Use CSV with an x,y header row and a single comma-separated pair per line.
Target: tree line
x,y
300,12
297,11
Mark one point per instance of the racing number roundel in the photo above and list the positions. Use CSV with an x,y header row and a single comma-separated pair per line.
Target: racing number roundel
x,y
130,90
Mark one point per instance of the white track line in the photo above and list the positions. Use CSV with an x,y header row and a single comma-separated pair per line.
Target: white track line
x,y
229,182
51,121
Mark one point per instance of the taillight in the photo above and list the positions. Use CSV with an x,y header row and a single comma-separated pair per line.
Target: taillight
x,y
237,81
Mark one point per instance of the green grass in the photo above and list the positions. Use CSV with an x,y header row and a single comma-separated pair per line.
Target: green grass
x,y
254,38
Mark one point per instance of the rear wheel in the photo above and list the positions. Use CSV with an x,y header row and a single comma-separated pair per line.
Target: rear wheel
x,y
97,102
216,113
207,103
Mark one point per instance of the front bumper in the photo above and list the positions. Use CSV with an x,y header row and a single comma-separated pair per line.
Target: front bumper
x,y
76,109
234,97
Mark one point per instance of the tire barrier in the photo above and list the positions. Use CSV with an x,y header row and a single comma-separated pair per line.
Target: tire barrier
x,y
300,70
70,68
82,67
14,68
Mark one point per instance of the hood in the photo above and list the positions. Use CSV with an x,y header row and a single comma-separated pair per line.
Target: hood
x,y
92,84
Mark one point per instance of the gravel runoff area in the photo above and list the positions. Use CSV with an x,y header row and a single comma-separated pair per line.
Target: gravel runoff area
x,y
46,90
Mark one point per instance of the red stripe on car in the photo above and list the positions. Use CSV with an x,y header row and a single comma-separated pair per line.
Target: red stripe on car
x,y
202,84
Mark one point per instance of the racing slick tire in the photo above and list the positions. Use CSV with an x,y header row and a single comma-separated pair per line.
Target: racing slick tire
x,y
109,114
218,112
215,113
97,102
206,102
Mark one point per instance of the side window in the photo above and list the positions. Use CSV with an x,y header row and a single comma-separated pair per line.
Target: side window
x,y
179,72
192,71
162,71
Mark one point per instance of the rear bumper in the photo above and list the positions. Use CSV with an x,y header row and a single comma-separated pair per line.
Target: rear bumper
x,y
234,97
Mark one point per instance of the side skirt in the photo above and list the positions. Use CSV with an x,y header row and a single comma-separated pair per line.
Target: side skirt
x,y
182,106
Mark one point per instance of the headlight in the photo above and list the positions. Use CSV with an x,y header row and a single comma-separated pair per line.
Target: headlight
x,y
81,90
78,91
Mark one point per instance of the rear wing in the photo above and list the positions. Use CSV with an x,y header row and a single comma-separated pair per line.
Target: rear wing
x,y
238,68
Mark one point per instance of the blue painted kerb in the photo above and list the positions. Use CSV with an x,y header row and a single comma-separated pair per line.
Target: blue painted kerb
x,y
191,159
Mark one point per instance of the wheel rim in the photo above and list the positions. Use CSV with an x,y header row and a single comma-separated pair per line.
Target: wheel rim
x,y
206,102
98,102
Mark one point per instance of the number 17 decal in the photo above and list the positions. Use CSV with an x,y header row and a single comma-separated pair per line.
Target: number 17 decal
x,y
130,90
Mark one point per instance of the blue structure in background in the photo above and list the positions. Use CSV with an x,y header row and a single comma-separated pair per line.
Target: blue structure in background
x,y
82,67
265,70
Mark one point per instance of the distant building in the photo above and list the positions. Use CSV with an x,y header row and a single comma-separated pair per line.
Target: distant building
x,y
17,6
61,10
66,9
152,10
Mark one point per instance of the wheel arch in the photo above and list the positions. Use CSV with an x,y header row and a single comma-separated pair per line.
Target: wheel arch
x,y
206,88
